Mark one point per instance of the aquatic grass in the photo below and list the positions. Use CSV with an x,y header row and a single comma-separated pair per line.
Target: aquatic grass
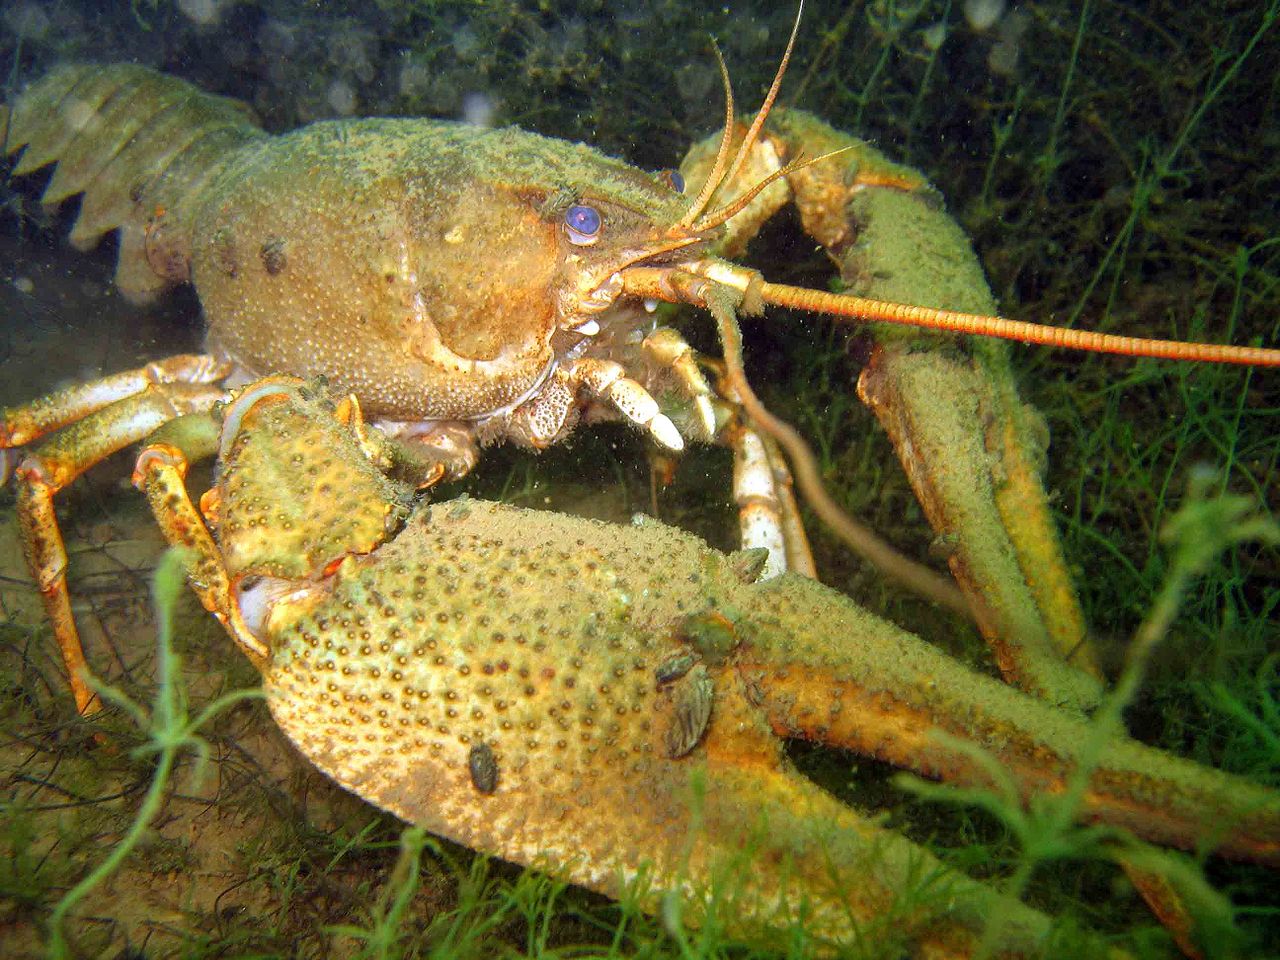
x,y
1159,169
888,22
827,402
171,731
1047,163
26,877
381,939
1134,437
1002,129
1254,717
922,89
496,910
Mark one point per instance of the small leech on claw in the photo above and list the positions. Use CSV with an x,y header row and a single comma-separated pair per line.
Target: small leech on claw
x,y
673,668
483,767
692,696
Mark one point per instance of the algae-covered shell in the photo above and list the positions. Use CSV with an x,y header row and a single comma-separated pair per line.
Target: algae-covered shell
x,y
693,695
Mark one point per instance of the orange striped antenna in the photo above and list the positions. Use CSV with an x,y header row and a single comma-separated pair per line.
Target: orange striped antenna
x,y
860,308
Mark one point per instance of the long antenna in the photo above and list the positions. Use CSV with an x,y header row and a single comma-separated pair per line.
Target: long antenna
x,y
850,307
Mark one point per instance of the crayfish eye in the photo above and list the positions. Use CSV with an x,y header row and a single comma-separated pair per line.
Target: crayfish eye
x,y
582,225
673,179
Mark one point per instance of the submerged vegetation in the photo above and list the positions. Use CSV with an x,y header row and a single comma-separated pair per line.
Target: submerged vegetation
x,y
1113,163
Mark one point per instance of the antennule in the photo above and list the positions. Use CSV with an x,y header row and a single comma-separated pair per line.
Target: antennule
x,y
722,152
753,132
719,176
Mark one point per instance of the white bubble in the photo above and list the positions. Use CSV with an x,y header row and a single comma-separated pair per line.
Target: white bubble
x,y
24,285
983,14
934,36
342,98
27,20
203,12
478,109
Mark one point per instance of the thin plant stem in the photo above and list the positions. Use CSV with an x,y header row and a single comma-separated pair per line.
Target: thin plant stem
x,y
917,103
170,731
1001,133
1050,156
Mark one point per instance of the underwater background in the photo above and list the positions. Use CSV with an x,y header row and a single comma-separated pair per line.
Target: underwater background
x,y
1115,165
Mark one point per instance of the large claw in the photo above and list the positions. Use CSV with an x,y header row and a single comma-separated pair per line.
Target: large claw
x,y
566,692
598,700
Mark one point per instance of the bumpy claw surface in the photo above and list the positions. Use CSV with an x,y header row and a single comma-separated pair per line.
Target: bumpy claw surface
x,y
602,701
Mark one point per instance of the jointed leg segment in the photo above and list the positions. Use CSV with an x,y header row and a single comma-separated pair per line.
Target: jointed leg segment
x,y
94,421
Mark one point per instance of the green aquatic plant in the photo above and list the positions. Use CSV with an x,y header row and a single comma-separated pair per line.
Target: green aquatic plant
x,y
170,730
381,939
1050,159
1159,169
1254,719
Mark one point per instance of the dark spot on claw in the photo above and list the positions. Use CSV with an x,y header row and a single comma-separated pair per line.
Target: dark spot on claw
x,y
484,768
272,255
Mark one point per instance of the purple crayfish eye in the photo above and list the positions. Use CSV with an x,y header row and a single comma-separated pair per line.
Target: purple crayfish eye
x,y
582,224
673,179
